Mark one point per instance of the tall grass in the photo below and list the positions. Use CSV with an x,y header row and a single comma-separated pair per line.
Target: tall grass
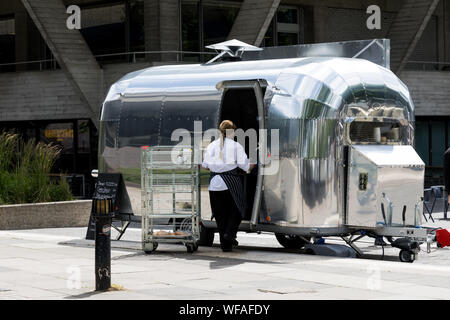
x,y
25,169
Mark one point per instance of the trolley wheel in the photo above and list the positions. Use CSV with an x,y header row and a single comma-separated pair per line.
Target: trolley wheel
x,y
406,256
150,247
191,247
290,241
206,236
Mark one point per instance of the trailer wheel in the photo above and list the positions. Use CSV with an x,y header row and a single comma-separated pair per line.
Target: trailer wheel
x,y
206,237
406,256
290,241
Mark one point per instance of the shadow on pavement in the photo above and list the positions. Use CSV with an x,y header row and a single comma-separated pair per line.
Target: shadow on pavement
x,y
217,258
85,295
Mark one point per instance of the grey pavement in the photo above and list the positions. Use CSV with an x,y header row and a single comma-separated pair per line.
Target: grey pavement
x,y
59,264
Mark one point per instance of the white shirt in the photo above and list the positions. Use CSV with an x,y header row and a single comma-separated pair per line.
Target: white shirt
x,y
233,156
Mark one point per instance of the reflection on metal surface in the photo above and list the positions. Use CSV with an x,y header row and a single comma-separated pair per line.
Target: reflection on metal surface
x,y
394,178
312,101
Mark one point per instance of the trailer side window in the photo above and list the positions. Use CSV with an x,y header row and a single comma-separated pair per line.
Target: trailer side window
x,y
376,132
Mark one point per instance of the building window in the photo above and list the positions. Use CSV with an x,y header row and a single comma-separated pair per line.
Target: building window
x,y
136,20
84,137
287,15
217,22
438,146
448,134
104,30
287,38
432,138
269,38
422,139
190,30
60,134
286,27
7,43
204,23
73,163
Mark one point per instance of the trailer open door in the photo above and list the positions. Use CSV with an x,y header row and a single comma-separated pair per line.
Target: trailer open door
x,y
242,102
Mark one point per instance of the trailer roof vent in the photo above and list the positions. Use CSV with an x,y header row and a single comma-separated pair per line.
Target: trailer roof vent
x,y
231,50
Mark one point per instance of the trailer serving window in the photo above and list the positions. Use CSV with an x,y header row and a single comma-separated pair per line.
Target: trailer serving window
x,y
375,131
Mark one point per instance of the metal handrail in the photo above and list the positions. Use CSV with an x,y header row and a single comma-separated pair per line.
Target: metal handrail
x,y
26,62
134,53
429,62
428,65
153,52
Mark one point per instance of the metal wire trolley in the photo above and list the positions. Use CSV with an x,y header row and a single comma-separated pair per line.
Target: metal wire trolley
x,y
170,197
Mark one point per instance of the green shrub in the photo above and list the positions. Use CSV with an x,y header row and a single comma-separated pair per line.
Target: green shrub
x,y
25,169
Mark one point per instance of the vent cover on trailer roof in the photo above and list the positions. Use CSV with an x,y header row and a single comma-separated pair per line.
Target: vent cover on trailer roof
x,y
232,49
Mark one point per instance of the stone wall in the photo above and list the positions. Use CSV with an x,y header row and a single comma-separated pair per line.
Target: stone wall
x,y
62,214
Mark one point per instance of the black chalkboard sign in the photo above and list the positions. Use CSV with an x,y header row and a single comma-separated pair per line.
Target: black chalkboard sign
x,y
107,188
110,186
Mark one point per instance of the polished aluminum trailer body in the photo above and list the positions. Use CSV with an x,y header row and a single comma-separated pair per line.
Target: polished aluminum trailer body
x,y
330,178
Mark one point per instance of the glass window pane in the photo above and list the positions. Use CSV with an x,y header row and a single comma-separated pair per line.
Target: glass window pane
x,y
190,31
286,39
287,15
103,30
217,23
137,33
30,132
437,142
448,135
421,137
92,17
365,132
268,38
7,44
83,137
59,134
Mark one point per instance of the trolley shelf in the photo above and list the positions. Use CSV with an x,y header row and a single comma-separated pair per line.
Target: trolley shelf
x,y
170,190
158,216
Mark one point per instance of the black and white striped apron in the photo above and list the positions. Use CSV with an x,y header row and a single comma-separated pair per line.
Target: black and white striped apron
x,y
233,181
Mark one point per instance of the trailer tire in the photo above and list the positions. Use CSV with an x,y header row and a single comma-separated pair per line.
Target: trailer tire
x,y
406,256
206,237
290,241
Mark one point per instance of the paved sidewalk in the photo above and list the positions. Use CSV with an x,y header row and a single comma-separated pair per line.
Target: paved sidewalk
x,y
59,264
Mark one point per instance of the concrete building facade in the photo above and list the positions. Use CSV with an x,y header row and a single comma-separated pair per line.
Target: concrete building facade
x,y
53,79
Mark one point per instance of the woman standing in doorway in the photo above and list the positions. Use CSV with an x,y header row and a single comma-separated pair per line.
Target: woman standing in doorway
x,y
223,157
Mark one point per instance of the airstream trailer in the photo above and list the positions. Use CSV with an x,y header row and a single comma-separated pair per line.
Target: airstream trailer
x,y
346,165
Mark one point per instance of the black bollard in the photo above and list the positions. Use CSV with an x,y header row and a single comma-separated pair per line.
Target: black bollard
x,y
103,214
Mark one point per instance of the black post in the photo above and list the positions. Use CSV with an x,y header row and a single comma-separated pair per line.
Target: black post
x,y
103,214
